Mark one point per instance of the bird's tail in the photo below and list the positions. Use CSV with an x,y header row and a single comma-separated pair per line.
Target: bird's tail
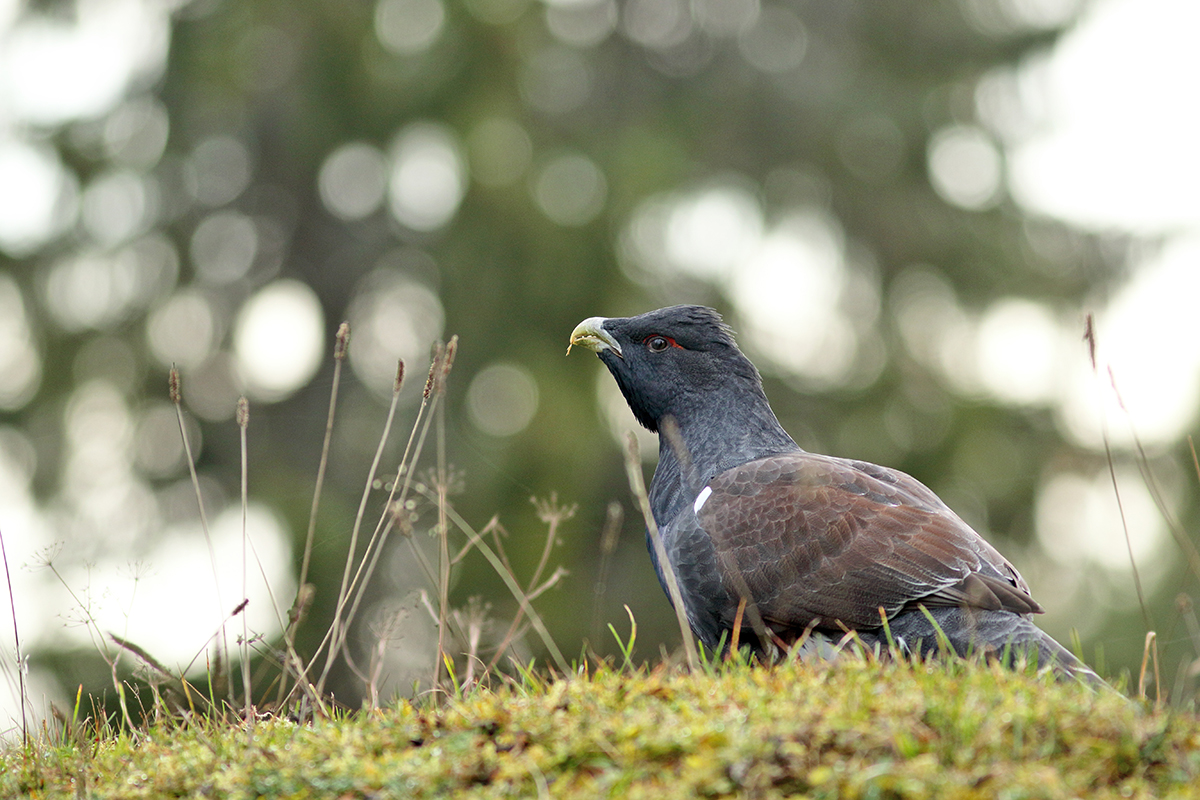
x,y
993,634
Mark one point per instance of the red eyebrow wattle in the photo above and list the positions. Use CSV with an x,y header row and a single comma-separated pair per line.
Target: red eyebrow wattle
x,y
670,341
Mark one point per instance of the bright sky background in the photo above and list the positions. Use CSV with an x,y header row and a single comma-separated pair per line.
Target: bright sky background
x,y
1119,149
1121,143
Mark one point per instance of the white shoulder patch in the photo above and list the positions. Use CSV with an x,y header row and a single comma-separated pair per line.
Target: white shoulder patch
x,y
701,498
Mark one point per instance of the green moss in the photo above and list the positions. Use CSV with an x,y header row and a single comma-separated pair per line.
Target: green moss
x,y
854,729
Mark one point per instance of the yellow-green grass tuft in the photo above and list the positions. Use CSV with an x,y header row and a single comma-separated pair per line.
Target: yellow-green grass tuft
x,y
854,729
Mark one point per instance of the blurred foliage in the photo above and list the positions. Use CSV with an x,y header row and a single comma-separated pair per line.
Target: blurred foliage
x,y
844,129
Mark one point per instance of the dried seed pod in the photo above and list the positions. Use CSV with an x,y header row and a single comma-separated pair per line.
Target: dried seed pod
x,y
342,343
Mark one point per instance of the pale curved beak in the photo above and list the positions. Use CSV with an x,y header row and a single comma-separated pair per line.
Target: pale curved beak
x,y
591,334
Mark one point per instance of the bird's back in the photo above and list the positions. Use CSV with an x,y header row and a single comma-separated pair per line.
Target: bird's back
x,y
815,541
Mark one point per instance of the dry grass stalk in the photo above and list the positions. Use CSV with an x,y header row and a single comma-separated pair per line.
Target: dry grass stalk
x,y
1149,653
553,515
175,390
243,421
340,626
633,469
12,603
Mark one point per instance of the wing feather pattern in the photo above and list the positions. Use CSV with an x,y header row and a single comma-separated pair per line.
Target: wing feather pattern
x,y
826,541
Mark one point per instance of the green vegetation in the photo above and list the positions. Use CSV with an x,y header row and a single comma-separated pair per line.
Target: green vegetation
x,y
856,728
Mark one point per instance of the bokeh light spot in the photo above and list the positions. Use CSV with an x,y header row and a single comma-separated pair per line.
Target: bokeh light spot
x,y
107,507
409,26
1078,517
556,80
353,180
60,67
709,232
117,206
1147,338
37,196
392,317
279,340
212,390
581,23
657,24
182,330
1113,139
173,605
776,42
964,166
223,246
570,189
428,176
1020,351
723,18
20,362
97,422
788,293
157,447
219,170
802,302
502,399
135,134
91,290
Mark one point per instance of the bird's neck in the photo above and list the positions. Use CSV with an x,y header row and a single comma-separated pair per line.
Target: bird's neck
x,y
706,441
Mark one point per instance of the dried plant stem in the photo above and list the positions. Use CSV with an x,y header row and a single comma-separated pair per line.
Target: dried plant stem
x,y
443,530
633,469
609,538
176,399
418,433
376,545
100,643
1137,578
412,451
387,519
1181,537
1150,654
303,596
340,350
552,515
339,627
510,581
17,640
443,547
734,641
1091,337
243,420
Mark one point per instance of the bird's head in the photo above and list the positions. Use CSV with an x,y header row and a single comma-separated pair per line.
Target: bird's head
x,y
669,362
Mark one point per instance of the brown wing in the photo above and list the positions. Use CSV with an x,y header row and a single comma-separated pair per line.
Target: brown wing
x,y
825,540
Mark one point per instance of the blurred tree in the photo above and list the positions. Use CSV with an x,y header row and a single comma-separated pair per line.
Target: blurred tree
x,y
501,169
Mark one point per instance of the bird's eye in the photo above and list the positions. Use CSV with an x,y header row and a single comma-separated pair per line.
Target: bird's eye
x,y
656,344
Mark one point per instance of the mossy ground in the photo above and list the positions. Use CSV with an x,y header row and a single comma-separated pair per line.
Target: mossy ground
x,y
854,729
